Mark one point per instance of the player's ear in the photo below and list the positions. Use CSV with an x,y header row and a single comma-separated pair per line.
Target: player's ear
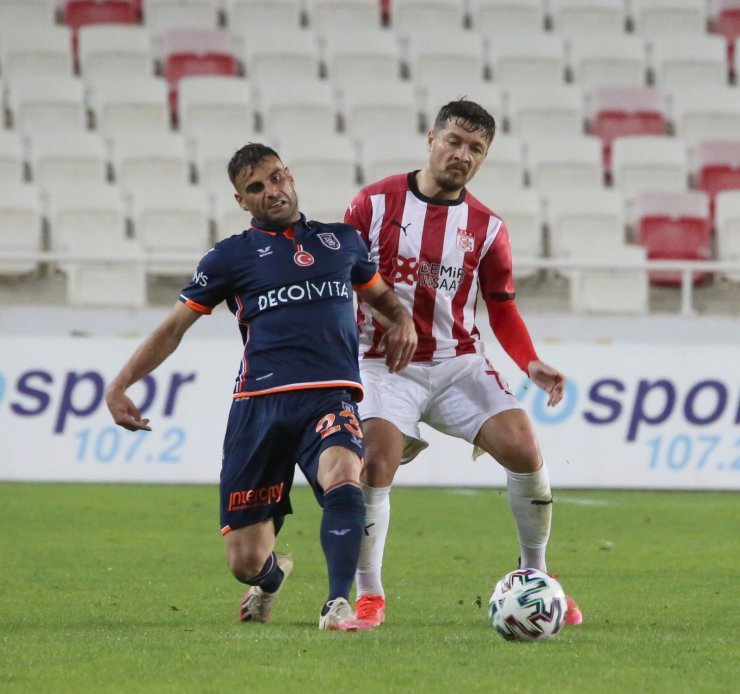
x,y
240,201
430,140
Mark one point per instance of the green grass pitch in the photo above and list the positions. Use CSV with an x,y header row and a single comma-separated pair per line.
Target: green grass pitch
x,y
124,588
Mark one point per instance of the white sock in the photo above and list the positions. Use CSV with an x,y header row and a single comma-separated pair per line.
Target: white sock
x,y
377,520
532,519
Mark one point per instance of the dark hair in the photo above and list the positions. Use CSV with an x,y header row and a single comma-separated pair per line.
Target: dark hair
x,y
248,157
475,117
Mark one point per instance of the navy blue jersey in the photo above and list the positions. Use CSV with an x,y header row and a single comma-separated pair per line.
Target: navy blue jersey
x,y
291,293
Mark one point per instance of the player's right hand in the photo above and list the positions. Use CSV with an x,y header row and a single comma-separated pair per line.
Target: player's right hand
x,y
399,344
125,413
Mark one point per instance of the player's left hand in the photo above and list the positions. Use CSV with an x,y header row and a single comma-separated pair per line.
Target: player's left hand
x,y
399,344
549,379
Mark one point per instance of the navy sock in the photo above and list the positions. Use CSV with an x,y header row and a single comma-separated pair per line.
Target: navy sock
x,y
270,577
342,525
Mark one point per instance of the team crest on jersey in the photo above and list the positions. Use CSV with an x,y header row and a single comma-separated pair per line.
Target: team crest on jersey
x,y
329,240
465,240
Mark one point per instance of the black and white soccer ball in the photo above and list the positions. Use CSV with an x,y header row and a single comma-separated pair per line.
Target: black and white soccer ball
x,y
527,605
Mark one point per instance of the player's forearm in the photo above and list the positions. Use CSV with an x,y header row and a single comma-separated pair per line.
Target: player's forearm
x,y
150,354
511,332
389,307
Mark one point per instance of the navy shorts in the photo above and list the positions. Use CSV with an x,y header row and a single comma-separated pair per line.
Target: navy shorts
x,y
267,436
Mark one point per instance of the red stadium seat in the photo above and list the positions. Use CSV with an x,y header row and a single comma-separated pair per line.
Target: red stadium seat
x,y
79,13
620,111
191,52
727,24
674,225
717,167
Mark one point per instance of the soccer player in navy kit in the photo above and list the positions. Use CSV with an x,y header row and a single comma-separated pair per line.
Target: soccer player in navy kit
x,y
289,284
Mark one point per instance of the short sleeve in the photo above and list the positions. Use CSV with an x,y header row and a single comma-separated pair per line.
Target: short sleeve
x,y
359,213
495,273
363,269
210,284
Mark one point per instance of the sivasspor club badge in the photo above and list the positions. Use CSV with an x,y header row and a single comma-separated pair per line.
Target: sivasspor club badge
x,y
329,240
465,240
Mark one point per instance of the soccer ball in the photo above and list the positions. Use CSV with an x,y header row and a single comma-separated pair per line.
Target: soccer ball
x,y
527,605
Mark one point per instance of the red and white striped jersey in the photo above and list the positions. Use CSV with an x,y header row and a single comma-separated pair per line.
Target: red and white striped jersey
x,y
434,254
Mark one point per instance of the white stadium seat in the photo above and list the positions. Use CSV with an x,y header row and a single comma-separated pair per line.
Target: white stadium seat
x,y
248,16
678,63
12,158
507,16
727,222
703,113
20,226
308,105
598,60
527,59
330,159
409,17
445,55
130,104
294,57
386,154
48,103
565,163
336,16
77,158
651,17
17,15
361,55
371,109
579,17
47,50
172,218
162,15
109,52
546,110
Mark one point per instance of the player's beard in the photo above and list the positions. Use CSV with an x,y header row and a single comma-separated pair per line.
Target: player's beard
x,y
449,184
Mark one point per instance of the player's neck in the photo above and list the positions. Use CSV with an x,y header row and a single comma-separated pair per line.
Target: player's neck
x,y
429,188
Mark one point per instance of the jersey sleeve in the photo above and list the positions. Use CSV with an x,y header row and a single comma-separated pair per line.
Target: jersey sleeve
x,y
364,270
495,273
359,214
210,283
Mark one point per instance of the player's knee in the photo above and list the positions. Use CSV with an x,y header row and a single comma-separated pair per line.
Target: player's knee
x,y
245,563
519,451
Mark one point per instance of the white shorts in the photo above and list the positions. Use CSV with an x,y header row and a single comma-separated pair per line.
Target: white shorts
x,y
455,396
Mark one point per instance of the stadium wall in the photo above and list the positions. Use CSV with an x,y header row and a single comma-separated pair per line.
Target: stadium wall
x,y
651,404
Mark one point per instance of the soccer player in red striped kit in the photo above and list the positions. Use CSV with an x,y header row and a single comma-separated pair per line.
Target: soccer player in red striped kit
x,y
437,246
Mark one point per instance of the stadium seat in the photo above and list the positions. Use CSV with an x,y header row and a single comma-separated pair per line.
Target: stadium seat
x,y
438,93
706,113
371,108
727,24
108,52
308,105
612,291
142,160
77,158
20,225
45,51
445,55
212,152
727,222
191,52
585,225
214,104
172,219
12,158
336,16
593,17
17,15
249,16
329,159
228,217
608,59
409,17
86,219
648,162
322,203
565,163
546,110
79,13
294,58
652,17
161,16
48,104
130,104
678,62
674,225
361,55
717,166
520,59
387,154
521,210
621,111
507,16
504,167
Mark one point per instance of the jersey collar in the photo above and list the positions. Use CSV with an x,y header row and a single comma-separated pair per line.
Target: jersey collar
x,y
275,229
411,178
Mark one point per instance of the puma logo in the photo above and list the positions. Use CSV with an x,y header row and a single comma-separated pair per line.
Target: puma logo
x,y
402,227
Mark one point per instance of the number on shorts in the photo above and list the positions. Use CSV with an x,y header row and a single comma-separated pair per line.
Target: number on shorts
x,y
326,426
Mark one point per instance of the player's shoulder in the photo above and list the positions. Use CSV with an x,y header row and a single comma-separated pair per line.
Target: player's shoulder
x,y
339,230
397,183
475,204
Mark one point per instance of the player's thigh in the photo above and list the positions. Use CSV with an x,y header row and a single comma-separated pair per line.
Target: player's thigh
x,y
399,398
509,437
467,393
332,443
258,462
